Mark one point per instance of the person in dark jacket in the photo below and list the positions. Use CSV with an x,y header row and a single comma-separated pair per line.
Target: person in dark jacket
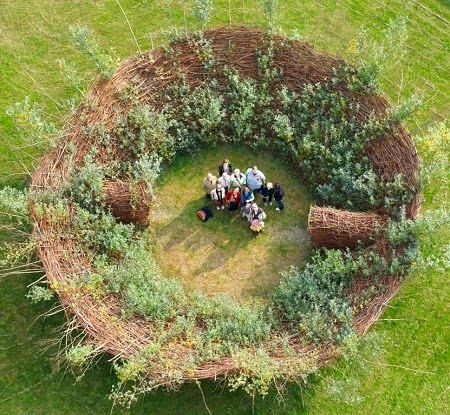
x,y
225,167
278,195
266,192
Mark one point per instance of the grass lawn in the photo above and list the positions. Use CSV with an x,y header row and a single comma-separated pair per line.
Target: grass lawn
x,y
221,255
410,376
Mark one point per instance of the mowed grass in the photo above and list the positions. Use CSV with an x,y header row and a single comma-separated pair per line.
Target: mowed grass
x,y
221,255
410,377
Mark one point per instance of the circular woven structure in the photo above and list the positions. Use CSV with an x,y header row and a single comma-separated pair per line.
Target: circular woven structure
x,y
151,73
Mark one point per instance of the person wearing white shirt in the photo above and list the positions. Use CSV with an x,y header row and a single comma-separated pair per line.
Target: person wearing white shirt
x,y
218,196
225,181
255,178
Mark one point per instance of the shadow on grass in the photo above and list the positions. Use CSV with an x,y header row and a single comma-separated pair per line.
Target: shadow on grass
x,y
222,255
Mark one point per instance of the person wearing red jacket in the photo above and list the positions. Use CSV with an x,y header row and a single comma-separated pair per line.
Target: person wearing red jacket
x,y
233,199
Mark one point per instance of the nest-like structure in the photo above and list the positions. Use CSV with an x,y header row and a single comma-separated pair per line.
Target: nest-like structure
x,y
128,202
335,228
152,72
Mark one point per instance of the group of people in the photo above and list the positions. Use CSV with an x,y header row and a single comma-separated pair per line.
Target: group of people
x,y
236,191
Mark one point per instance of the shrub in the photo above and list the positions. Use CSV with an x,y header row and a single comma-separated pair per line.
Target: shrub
x,y
314,300
143,289
86,186
32,127
242,99
257,372
202,11
38,293
14,207
80,355
144,130
270,9
105,61
146,168
230,322
101,231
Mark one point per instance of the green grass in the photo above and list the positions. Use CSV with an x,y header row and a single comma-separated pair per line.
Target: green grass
x,y
33,34
221,255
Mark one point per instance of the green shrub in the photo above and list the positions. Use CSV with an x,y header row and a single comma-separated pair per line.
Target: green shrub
x,y
38,293
101,231
241,100
144,130
32,127
14,207
86,186
80,355
229,322
144,291
202,11
314,300
104,60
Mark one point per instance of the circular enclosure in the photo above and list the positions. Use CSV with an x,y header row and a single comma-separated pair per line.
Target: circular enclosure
x,y
151,75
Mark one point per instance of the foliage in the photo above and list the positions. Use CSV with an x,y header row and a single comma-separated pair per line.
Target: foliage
x,y
229,322
400,232
203,49
371,58
105,60
86,187
270,10
101,232
241,99
14,207
313,300
31,125
143,289
202,11
80,355
257,372
145,130
147,168
38,293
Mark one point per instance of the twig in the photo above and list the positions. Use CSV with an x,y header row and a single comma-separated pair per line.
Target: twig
x,y
400,367
129,25
203,396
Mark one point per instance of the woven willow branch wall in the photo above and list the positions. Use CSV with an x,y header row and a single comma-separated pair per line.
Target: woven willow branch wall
x,y
152,72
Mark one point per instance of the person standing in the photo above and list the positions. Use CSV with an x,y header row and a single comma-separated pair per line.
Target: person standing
x,y
209,184
225,181
225,167
218,196
238,179
255,178
233,199
247,196
267,193
246,210
257,216
278,195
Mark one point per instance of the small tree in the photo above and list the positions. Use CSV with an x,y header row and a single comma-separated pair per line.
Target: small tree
x,y
270,8
105,61
202,11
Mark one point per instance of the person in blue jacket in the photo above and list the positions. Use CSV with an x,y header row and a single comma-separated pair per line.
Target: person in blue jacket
x,y
247,196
